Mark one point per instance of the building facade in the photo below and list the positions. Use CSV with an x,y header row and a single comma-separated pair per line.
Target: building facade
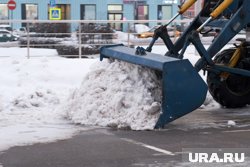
x,y
91,10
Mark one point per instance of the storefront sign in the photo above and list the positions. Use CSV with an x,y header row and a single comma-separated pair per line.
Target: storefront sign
x,y
55,14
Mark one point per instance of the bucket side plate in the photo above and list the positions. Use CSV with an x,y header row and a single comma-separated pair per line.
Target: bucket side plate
x,y
183,91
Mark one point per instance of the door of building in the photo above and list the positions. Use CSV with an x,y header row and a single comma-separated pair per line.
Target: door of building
x,y
115,12
115,16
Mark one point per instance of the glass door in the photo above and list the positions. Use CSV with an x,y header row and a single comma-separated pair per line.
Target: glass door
x,y
115,16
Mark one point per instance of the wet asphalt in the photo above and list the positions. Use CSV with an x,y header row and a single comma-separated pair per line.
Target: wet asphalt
x,y
107,147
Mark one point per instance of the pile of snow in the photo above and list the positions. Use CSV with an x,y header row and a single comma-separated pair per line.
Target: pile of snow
x,y
117,94
124,37
31,91
112,94
231,123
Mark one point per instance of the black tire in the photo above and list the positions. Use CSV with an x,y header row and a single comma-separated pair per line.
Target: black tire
x,y
233,92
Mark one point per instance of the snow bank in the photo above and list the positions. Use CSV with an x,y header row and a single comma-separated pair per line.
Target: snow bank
x,y
30,92
117,94
124,37
231,123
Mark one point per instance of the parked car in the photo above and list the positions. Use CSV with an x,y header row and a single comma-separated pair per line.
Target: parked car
x,y
20,32
172,32
138,28
5,27
6,36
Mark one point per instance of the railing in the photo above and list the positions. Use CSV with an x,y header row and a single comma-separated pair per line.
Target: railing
x,y
76,36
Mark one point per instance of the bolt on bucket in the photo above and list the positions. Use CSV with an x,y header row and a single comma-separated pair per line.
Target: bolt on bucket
x,y
183,90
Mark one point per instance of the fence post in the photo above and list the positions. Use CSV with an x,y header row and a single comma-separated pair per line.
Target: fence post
x,y
28,40
128,34
80,40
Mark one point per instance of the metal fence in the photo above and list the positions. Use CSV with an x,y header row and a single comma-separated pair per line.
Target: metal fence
x,y
73,38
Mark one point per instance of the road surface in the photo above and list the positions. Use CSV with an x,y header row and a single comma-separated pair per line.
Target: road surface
x,y
106,147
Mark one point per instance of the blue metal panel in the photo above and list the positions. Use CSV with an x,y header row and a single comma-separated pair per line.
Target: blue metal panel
x,y
183,91
150,60
234,25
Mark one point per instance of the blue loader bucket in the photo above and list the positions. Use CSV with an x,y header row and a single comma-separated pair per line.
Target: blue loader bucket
x,y
183,90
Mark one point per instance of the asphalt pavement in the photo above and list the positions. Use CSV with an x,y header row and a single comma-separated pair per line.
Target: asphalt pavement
x,y
107,147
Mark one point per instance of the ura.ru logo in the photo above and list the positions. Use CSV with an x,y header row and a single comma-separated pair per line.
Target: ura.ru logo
x,y
215,158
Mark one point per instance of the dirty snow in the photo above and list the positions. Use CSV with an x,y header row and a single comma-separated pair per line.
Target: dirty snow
x,y
31,90
117,94
231,123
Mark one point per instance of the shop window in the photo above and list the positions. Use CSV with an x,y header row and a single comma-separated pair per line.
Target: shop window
x,y
115,12
29,12
88,12
113,8
164,12
142,12
4,12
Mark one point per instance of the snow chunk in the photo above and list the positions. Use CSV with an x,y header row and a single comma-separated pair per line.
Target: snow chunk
x,y
117,94
231,123
38,98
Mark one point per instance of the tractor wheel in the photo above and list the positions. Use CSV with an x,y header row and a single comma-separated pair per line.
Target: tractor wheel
x,y
235,90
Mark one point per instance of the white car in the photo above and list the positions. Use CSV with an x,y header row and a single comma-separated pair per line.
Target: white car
x,y
6,36
5,27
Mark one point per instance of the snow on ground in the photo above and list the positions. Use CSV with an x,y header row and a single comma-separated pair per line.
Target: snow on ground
x,y
34,99
31,90
34,90
20,53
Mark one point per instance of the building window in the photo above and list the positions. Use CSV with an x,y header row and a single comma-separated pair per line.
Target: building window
x,y
115,12
29,12
142,12
88,12
4,12
164,12
114,8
